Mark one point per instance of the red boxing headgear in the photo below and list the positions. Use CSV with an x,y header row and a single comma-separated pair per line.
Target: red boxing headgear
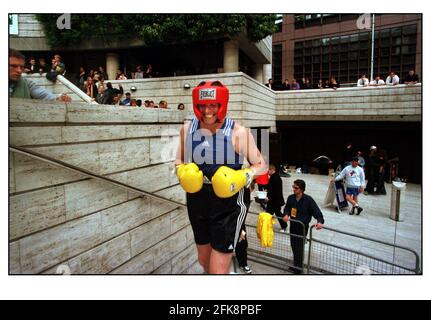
x,y
209,92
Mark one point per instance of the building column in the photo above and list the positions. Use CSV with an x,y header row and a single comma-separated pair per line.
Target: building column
x,y
231,56
267,72
112,65
258,73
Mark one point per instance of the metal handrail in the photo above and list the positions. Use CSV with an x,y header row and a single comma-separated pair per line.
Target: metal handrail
x,y
59,163
311,239
75,89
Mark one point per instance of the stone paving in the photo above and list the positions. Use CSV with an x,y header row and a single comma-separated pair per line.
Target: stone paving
x,y
373,222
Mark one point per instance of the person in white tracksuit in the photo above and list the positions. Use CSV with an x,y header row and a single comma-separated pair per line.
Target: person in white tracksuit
x,y
354,177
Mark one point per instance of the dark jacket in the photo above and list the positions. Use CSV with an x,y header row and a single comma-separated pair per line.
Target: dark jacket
x,y
275,190
304,209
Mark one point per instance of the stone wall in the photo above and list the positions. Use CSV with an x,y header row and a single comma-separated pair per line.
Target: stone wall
x,y
61,218
395,103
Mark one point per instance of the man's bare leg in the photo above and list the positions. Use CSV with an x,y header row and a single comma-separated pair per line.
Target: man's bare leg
x,y
204,255
220,262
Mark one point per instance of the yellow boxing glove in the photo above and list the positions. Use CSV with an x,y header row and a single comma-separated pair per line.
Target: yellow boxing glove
x,y
191,177
227,182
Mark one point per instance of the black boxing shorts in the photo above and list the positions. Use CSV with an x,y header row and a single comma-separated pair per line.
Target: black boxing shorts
x,y
217,221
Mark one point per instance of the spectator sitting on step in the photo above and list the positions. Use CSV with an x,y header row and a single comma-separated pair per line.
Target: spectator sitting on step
x,y
139,74
43,67
25,88
91,88
363,81
127,100
411,78
334,84
392,79
377,82
133,103
163,104
285,85
294,85
320,84
181,106
103,74
57,68
31,67
139,103
307,84
111,92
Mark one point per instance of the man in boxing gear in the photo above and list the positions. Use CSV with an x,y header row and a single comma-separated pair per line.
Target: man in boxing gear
x,y
217,146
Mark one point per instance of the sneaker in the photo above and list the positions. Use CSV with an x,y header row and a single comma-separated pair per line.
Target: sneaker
x,y
352,212
283,230
295,270
246,269
359,211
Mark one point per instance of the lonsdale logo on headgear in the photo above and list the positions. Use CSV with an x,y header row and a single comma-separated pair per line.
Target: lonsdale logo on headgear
x,y
207,94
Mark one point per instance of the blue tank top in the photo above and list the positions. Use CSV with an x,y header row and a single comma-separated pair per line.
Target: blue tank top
x,y
210,151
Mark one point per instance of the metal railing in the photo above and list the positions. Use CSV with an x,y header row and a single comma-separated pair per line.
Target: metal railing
x,y
62,164
327,257
75,89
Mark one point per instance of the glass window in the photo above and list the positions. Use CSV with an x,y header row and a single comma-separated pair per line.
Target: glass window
x,y
353,55
344,39
395,32
395,50
325,41
335,57
335,40
384,61
316,59
363,36
299,45
395,60
354,37
411,29
307,59
334,48
409,39
354,46
298,60
316,43
385,42
408,49
325,49
411,59
396,41
298,69
307,52
344,47
363,63
384,52
316,50
307,44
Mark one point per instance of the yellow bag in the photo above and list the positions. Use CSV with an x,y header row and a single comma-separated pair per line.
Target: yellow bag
x,y
264,229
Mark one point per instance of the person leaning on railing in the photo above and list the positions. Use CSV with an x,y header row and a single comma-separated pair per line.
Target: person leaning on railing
x,y
25,88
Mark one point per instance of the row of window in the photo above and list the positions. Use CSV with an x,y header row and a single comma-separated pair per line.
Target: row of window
x,y
349,56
